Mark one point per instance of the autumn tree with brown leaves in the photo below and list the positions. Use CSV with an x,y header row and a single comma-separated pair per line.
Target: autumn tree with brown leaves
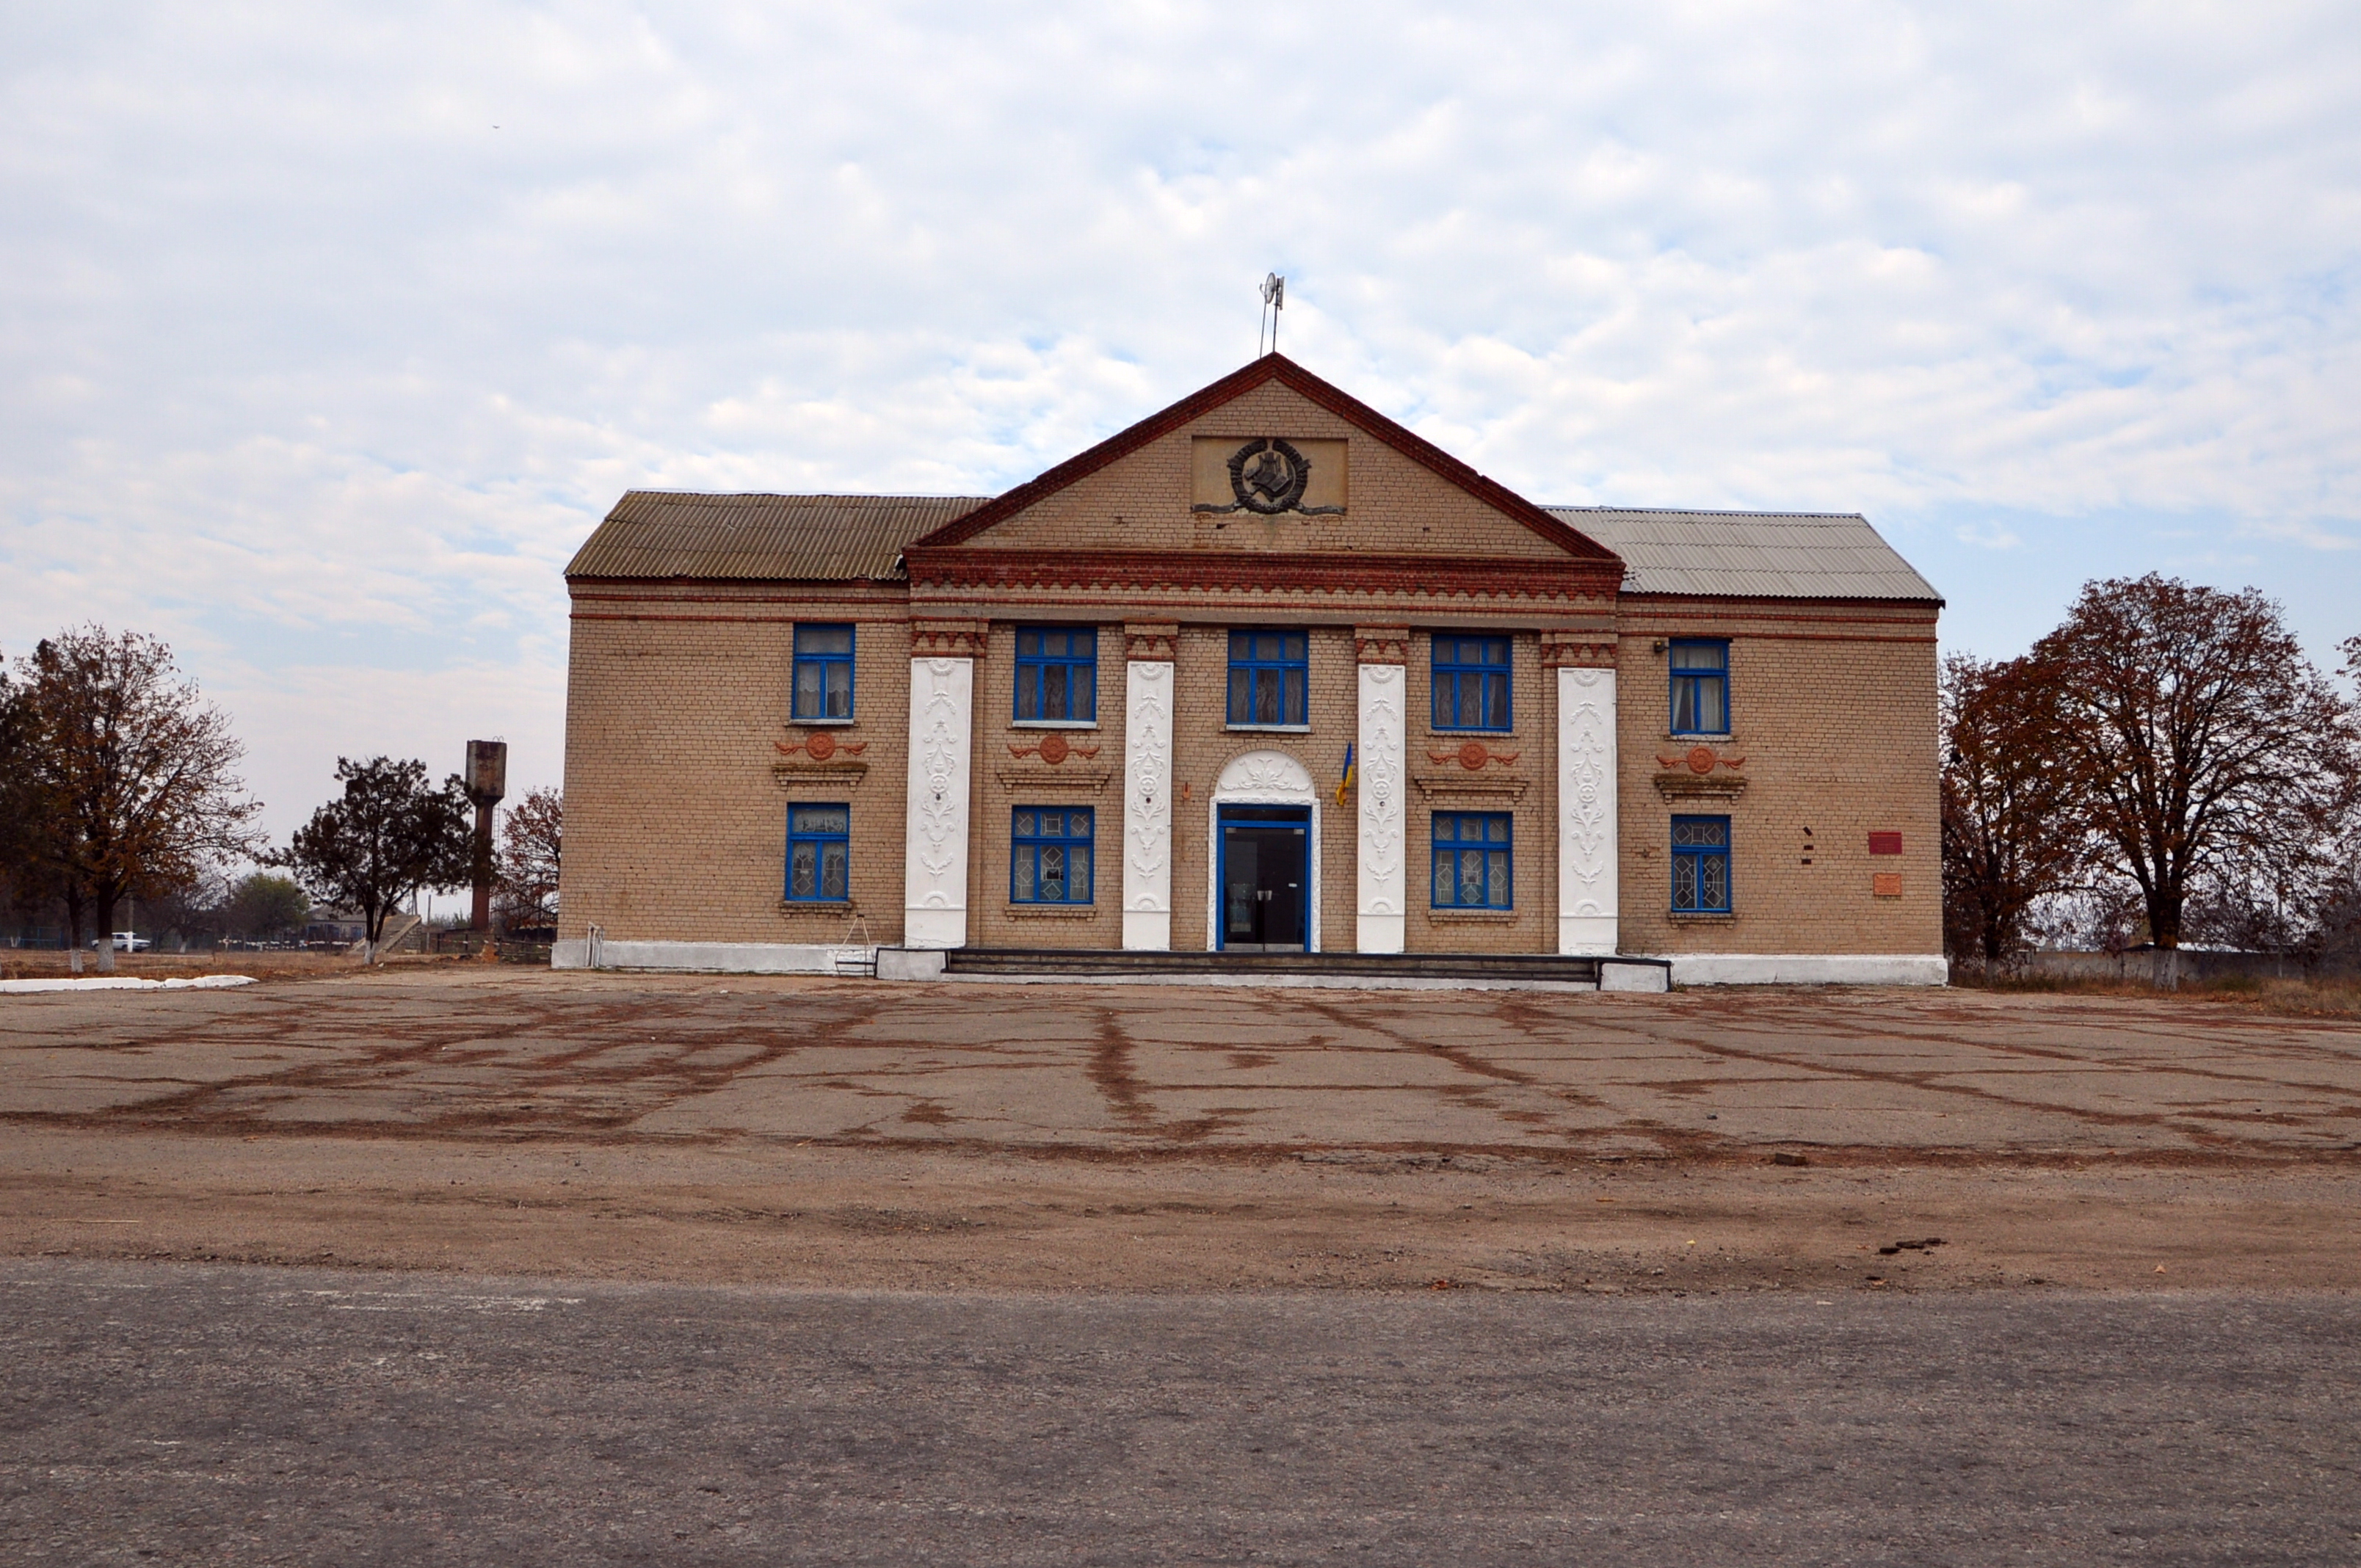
x,y
2013,834
132,771
2211,760
531,837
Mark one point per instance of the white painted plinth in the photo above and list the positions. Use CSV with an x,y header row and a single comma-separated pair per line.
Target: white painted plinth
x,y
707,957
1810,969
935,840
1588,895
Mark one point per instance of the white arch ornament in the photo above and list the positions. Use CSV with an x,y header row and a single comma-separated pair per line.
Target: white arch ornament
x,y
1262,778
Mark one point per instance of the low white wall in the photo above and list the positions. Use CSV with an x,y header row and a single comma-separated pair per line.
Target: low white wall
x,y
1810,969
712,958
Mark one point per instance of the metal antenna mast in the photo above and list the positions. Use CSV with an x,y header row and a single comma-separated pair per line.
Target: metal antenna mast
x,y
1274,300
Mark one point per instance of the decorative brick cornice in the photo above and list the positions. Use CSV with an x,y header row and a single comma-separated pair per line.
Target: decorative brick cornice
x,y
1282,574
1381,645
1151,641
1577,650
947,639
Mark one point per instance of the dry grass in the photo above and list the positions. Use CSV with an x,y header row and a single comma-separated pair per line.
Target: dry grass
x,y
31,964
2335,997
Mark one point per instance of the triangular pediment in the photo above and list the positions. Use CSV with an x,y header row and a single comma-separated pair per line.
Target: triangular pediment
x,y
1271,459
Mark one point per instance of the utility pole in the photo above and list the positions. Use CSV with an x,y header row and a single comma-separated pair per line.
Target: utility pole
x,y
487,780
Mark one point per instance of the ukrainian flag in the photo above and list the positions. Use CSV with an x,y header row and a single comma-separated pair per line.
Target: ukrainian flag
x,y
1345,783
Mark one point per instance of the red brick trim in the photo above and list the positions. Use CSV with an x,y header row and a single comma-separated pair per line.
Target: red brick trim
x,y
1151,641
1577,650
1311,389
1381,645
947,639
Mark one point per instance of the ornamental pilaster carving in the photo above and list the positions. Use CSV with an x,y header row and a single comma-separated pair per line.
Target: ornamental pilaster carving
x,y
1148,805
935,848
1384,808
1589,896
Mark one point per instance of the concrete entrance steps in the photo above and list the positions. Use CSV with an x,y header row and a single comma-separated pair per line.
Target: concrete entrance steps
x,y
1381,970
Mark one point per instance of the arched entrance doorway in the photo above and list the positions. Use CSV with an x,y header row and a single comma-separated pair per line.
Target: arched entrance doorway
x,y
1263,857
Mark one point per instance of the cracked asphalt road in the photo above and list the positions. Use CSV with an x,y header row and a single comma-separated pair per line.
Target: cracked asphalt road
x,y
169,1414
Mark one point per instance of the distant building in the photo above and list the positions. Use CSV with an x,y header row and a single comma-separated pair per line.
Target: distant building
x,y
1114,707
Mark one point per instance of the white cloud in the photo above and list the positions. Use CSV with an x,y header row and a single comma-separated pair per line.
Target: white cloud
x,y
306,366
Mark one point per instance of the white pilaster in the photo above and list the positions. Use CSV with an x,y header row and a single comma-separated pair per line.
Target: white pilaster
x,y
942,728
1147,806
1384,813
1586,894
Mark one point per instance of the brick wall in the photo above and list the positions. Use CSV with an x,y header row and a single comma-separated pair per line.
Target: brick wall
x,y
675,800
1832,710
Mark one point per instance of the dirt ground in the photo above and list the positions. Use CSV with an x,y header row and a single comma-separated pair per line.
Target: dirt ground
x,y
971,1137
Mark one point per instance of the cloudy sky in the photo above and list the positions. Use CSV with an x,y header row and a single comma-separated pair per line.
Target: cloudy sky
x,y
330,331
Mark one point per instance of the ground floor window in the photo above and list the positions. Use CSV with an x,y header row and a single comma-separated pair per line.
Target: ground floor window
x,y
1471,860
1050,855
819,854
1700,865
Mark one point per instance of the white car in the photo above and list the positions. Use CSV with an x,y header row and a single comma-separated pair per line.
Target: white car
x,y
129,942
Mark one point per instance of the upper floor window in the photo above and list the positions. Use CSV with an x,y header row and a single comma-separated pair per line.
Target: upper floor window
x,y
819,854
1700,687
1057,674
1471,861
823,672
1049,859
1471,682
1701,865
1268,677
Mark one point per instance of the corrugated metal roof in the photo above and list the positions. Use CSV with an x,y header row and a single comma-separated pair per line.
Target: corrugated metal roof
x,y
674,534
1754,554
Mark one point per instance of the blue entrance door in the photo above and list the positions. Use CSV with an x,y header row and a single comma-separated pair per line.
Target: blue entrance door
x,y
1266,864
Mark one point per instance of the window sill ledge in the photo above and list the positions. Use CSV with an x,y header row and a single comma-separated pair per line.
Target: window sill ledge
x,y
1723,738
1435,913
1051,911
815,905
1053,724
821,723
1701,916
1507,734
1268,728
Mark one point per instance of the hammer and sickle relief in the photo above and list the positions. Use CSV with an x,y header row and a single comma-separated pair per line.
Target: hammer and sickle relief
x,y
1269,476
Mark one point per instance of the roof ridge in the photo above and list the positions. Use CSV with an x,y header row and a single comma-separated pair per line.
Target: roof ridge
x,y
1710,511
1313,388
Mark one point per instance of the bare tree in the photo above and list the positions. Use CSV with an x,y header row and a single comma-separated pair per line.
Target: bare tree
x,y
2211,753
136,775
530,840
2012,835
387,836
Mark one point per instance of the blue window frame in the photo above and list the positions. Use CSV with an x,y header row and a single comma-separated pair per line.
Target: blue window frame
x,y
819,854
1471,682
1050,860
1701,865
823,672
1700,687
1471,861
1268,677
1057,674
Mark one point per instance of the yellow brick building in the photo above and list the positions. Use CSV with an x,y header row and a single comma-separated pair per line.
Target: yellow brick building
x,y
1264,673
